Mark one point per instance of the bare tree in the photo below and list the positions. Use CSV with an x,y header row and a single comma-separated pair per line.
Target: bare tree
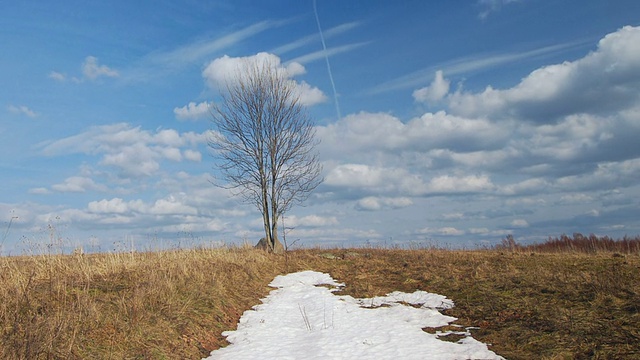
x,y
265,141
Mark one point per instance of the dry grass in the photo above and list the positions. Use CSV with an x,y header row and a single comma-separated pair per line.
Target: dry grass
x,y
175,304
170,304
591,244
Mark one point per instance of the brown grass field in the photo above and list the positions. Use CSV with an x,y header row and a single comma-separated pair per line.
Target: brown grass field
x,y
575,298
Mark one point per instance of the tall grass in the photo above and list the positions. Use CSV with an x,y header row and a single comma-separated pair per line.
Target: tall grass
x,y
125,305
591,244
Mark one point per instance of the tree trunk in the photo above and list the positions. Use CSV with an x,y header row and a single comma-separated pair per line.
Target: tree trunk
x,y
277,245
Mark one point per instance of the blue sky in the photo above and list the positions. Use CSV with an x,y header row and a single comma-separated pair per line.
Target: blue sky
x,y
456,122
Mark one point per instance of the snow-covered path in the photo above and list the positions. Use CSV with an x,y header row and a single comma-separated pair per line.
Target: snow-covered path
x,y
303,319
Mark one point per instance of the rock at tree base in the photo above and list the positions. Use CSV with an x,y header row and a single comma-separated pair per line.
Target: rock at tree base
x,y
262,244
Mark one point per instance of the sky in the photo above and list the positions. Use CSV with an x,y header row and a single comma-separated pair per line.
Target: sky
x,y
441,123
303,319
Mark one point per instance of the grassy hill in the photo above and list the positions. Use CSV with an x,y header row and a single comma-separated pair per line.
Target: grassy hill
x,y
571,300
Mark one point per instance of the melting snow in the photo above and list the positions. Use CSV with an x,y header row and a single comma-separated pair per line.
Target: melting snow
x,y
304,319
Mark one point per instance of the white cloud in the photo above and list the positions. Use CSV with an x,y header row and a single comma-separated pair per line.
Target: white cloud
x,y
310,221
136,160
22,110
450,231
171,206
226,69
192,111
444,231
92,70
519,223
577,198
78,184
309,95
172,154
606,174
57,76
385,181
442,130
367,178
453,216
435,92
356,175
133,151
603,82
192,155
370,132
464,184
479,231
113,206
374,203
525,187
362,132
168,137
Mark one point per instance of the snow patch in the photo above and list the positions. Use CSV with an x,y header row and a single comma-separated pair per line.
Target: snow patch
x,y
304,319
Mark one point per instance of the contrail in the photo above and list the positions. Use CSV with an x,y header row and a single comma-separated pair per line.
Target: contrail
x,y
326,58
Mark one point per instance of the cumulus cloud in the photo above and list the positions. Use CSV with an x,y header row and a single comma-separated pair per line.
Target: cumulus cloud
x,y
602,83
78,184
135,160
362,132
192,111
384,181
309,95
374,203
226,69
171,205
443,231
525,187
113,206
367,178
133,151
92,70
310,221
369,132
448,184
191,204
192,155
435,92
606,175
519,223
575,198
